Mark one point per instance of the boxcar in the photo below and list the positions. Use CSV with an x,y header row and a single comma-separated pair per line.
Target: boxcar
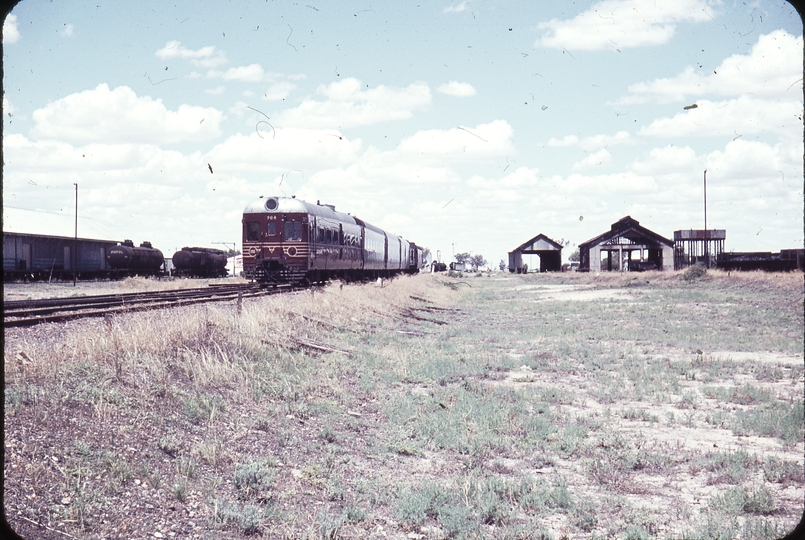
x,y
35,256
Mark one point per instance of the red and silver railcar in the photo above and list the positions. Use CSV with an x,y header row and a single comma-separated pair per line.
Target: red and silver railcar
x,y
287,240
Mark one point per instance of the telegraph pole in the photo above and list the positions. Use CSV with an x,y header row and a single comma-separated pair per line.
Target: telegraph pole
x,y
75,242
706,251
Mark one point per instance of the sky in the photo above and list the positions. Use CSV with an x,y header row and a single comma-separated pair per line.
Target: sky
x,y
463,126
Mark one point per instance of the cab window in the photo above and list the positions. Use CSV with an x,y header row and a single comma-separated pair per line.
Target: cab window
x,y
252,230
292,230
271,228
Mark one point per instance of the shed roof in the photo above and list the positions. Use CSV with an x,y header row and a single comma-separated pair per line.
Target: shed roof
x,y
538,243
630,228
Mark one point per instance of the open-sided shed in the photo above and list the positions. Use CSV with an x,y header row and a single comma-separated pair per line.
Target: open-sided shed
x,y
627,246
550,255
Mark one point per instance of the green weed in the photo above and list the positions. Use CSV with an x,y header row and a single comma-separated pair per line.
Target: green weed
x,y
248,518
254,479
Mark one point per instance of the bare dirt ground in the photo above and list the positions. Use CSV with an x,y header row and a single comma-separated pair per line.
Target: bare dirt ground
x,y
539,406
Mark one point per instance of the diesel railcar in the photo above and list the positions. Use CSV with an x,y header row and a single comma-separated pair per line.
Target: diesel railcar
x,y
287,240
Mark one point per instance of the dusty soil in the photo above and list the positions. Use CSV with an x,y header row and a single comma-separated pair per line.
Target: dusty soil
x,y
112,450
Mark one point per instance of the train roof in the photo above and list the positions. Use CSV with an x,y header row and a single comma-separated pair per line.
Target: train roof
x,y
291,205
11,234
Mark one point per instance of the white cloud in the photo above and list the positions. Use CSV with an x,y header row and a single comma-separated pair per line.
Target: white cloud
x,y
753,160
772,69
284,149
620,24
481,142
119,115
668,159
217,91
10,32
67,31
604,184
44,157
457,8
567,140
593,142
457,89
736,118
595,159
8,107
347,105
515,184
206,57
250,73
279,91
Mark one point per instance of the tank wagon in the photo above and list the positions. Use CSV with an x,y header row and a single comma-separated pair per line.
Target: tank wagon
x,y
287,240
126,259
200,262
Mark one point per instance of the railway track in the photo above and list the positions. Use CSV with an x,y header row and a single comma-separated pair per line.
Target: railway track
x,y
31,312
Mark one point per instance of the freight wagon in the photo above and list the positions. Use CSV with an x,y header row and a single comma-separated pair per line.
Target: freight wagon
x,y
36,257
43,257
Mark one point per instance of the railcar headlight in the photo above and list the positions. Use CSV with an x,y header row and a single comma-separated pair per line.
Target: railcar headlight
x,y
272,203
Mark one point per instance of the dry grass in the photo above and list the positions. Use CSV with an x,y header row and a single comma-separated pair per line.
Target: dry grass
x,y
548,406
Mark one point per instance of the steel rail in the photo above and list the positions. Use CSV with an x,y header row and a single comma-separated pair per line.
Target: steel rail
x,y
44,308
79,300
157,301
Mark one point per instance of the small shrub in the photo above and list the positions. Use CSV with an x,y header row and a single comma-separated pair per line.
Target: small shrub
x,y
328,435
636,532
170,444
780,419
759,502
203,408
254,479
248,518
737,500
329,526
697,271
179,489
585,515
353,514
263,423
117,466
783,472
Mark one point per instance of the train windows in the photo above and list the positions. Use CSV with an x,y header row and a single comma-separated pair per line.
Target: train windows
x,y
252,230
271,228
292,230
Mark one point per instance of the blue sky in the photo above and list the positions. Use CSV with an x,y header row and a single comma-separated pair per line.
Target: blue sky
x,y
462,126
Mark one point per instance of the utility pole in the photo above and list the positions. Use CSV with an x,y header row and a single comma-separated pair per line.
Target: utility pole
x,y
706,242
75,241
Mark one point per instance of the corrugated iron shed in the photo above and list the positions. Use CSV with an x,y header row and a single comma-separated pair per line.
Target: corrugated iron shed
x,y
626,238
550,255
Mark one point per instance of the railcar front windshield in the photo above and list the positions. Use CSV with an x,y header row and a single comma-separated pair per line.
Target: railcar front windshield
x,y
292,230
252,230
